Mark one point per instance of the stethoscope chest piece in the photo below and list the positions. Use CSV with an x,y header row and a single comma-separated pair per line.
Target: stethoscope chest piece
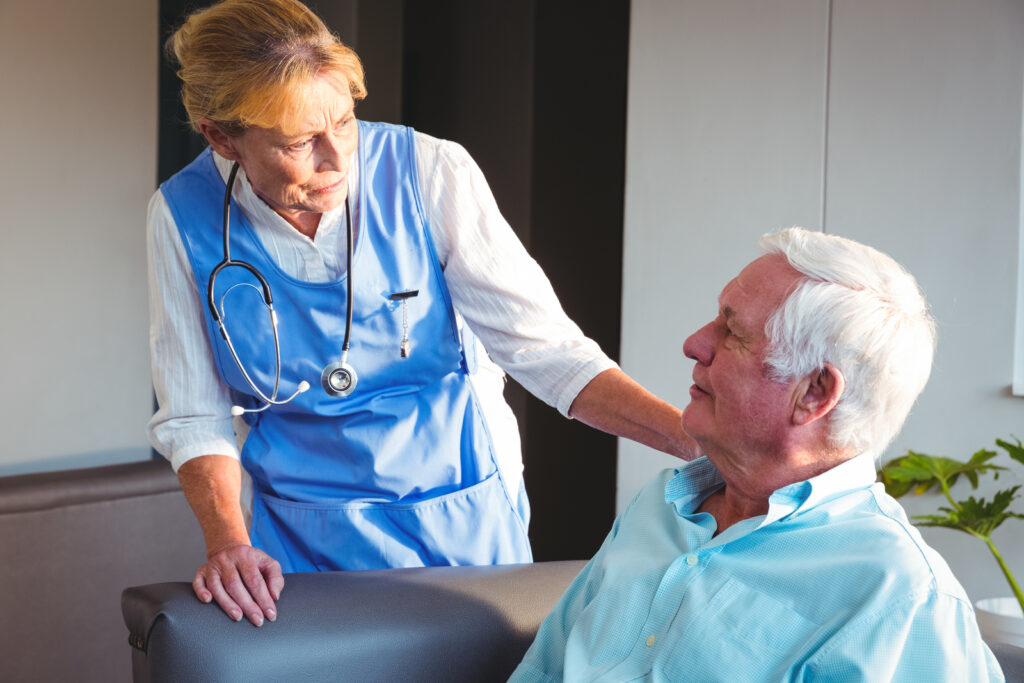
x,y
339,379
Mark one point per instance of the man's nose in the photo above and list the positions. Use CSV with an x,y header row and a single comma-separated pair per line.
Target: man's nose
x,y
699,346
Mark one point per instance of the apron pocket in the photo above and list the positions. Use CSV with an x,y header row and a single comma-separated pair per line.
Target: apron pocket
x,y
473,526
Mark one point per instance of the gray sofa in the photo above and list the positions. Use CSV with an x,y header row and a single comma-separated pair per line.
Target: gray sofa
x,y
70,542
1011,658
433,624
427,624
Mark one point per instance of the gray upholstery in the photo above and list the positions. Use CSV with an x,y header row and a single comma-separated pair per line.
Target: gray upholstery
x,y
428,624
70,542
1011,659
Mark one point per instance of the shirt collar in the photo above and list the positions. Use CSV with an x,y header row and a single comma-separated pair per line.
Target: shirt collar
x,y
692,483
260,212
856,473
695,480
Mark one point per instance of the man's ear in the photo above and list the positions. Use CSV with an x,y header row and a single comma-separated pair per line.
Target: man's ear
x,y
819,393
222,143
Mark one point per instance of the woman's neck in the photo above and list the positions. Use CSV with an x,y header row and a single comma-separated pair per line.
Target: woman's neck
x,y
305,222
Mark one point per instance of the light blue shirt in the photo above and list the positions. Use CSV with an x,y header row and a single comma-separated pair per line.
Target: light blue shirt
x,y
832,584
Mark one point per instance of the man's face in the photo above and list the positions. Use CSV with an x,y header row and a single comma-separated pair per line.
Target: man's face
x,y
736,413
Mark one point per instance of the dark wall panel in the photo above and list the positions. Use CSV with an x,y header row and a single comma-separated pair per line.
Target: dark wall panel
x,y
536,91
577,190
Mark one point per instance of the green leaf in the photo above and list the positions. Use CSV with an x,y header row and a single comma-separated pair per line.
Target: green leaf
x,y
975,515
921,473
893,486
1015,451
948,521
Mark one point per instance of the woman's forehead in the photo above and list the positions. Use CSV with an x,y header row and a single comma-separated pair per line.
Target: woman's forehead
x,y
312,106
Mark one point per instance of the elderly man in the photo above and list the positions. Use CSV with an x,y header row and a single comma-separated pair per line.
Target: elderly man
x,y
776,557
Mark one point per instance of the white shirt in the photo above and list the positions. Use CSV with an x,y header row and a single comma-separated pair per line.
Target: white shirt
x,y
496,287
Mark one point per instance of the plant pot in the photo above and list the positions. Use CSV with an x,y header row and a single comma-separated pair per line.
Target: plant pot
x,y
1001,620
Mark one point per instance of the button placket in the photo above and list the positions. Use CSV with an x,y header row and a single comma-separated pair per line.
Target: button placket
x,y
667,599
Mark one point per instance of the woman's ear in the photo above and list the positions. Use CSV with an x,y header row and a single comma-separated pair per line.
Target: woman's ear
x,y
222,143
818,395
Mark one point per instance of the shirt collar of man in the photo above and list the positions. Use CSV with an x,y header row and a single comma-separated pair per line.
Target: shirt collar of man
x,y
695,481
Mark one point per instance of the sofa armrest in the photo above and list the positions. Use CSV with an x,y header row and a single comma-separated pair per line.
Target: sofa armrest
x,y
1011,660
423,624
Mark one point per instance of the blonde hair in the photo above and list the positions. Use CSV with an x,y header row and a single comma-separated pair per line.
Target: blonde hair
x,y
247,63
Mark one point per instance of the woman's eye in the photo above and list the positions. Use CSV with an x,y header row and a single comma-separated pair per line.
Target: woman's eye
x,y
300,146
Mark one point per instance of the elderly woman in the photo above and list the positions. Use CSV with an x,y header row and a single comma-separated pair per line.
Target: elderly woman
x,y
377,432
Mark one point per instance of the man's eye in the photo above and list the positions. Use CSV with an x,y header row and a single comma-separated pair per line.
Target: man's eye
x,y
300,146
733,338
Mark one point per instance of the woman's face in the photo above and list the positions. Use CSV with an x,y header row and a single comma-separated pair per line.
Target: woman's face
x,y
304,173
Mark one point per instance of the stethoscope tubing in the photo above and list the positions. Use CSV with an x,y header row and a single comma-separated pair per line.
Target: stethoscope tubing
x,y
332,370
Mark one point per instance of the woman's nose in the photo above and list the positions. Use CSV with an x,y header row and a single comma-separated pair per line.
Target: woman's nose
x,y
332,154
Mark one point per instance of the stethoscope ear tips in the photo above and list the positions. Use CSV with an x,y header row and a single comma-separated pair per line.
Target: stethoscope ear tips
x,y
238,411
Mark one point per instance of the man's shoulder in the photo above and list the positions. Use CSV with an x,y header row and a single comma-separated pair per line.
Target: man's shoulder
x,y
875,530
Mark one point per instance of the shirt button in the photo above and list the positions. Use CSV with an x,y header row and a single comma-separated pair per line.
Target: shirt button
x,y
650,640
691,560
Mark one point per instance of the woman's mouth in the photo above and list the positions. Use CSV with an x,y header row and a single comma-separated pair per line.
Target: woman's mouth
x,y
330,188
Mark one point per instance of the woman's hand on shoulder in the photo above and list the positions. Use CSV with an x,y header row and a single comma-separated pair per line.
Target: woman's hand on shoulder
x,y
243,580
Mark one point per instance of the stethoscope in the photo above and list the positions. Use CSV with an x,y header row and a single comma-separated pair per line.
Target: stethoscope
x,y
338,379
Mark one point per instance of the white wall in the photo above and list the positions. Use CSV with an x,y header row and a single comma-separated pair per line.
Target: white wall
x,y
897,123
78,140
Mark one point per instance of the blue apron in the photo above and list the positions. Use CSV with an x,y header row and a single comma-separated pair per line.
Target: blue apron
x,y
401,472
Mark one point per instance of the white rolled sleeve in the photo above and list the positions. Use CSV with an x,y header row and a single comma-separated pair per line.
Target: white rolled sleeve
x,y
497,286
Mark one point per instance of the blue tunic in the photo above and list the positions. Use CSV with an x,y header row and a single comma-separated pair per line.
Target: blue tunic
x,y
401,472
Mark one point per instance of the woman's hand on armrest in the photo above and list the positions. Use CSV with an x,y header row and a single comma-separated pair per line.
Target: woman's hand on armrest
x,y
243,580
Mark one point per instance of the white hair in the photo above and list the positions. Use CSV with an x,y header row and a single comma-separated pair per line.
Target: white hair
x,y
861,311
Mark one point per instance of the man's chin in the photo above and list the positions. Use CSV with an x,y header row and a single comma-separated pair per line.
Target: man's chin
x,y
691,422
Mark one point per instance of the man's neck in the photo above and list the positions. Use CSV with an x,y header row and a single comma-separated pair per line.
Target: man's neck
x,y
747,494
728,508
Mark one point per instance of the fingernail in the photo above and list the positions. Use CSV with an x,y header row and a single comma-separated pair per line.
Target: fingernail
x,y
272,615
237,616
257,620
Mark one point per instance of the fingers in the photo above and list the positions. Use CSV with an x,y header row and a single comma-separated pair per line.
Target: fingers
x,y
226,594
239,600
275,580
256,586
243,581
199,586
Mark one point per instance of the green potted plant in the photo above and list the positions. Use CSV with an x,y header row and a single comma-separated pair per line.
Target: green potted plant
x,y
1001,619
